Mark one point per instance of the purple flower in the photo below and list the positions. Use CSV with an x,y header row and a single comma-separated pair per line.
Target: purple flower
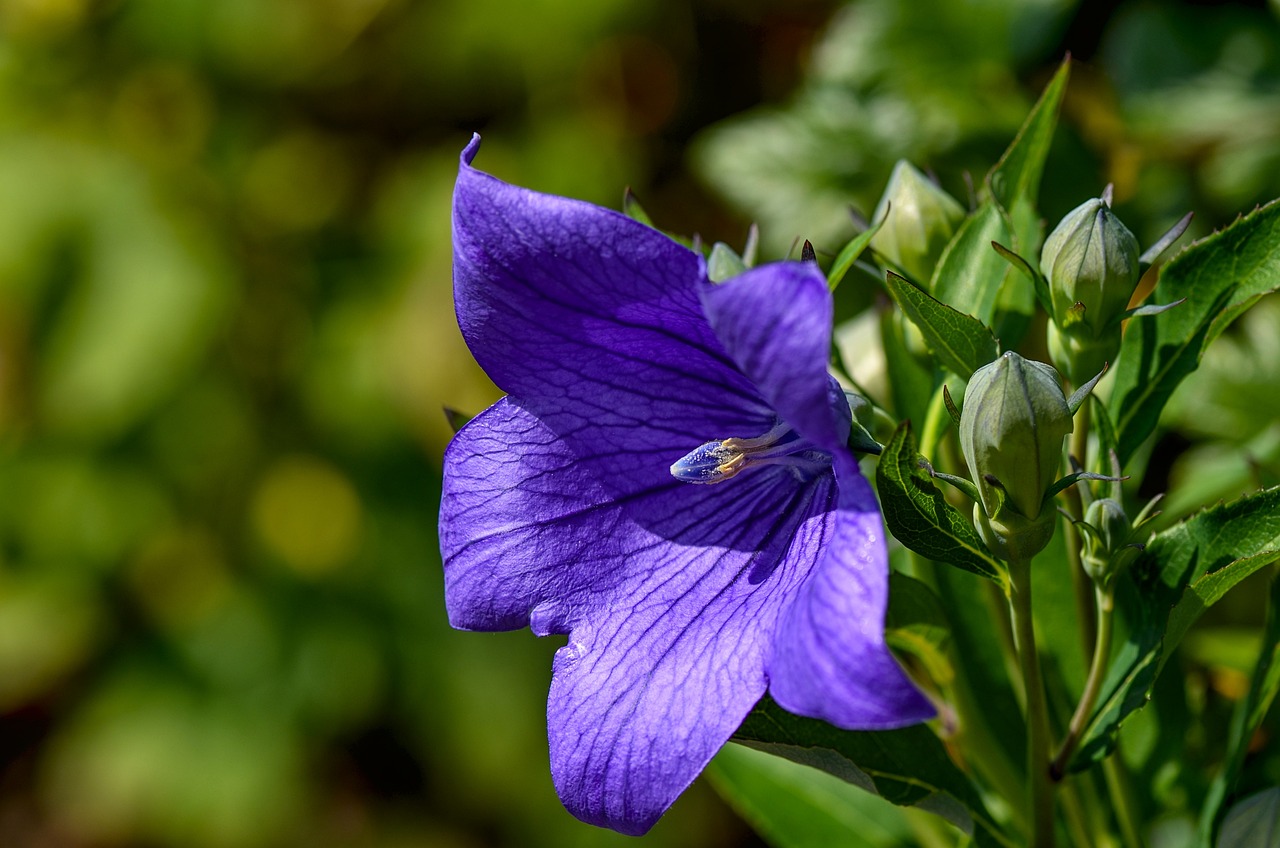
x,y
667,483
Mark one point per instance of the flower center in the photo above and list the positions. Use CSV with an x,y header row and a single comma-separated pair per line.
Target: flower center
x,y
719,460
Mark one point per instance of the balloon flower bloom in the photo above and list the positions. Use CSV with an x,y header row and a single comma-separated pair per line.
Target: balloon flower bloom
x,y
667,484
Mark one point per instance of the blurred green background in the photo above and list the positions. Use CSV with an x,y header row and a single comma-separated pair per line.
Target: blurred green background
x,y
226,339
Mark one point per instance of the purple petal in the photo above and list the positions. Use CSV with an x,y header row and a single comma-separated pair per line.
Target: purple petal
x,y
775,321
830,660
592,320
670,597
530,536
645,694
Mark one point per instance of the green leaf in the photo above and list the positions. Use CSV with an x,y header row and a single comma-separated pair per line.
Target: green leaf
x,y
1183,571
1245,721
1254,822
1220,277
991,730
919,516
970,272
795,806
962,344
1017,174
911,380
850,253
908,767
1014,184
916,624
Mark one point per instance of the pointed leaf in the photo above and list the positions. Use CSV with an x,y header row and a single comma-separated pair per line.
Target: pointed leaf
x,y
1248,715
1019,169
1183,571
962,344
1220,276
919,516
794,806
909,767
969,274
851,251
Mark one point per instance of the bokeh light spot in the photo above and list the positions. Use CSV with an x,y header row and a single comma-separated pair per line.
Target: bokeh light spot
x,y
308,514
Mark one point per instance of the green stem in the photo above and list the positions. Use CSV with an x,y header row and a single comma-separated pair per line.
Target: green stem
x,y
1039,797
934,424
1086,611
1093,684
1122,800
1076,821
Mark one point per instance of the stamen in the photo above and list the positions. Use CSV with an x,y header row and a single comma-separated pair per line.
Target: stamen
x,y
717,461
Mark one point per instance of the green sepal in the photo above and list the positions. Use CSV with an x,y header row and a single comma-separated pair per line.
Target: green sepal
x,y
724,263
1001,497
1040,284
1073,478
457,420
1080,395
751,249
961,484
1152,253
1074,315
632,209
1147,310
950,404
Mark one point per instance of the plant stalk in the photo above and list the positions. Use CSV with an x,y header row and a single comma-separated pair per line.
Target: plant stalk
x,y
1086,610
1039,794
1106,599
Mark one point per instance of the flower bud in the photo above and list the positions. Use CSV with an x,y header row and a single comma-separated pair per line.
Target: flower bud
x,y
1014,419
1091,263
1108,540
922,220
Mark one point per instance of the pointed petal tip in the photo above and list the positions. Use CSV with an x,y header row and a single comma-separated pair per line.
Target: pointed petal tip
x,y
469,152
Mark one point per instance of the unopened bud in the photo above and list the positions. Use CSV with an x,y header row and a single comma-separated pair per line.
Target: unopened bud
x,y
1014,419
1108,543
922,220
1091,263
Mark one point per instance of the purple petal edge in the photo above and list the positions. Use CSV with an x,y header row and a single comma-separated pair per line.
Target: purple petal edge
x,y
775,321
830,660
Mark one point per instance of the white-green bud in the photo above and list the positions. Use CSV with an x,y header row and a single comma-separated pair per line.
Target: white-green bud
x,y
1108,547
1091,263
922,220
1014,419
